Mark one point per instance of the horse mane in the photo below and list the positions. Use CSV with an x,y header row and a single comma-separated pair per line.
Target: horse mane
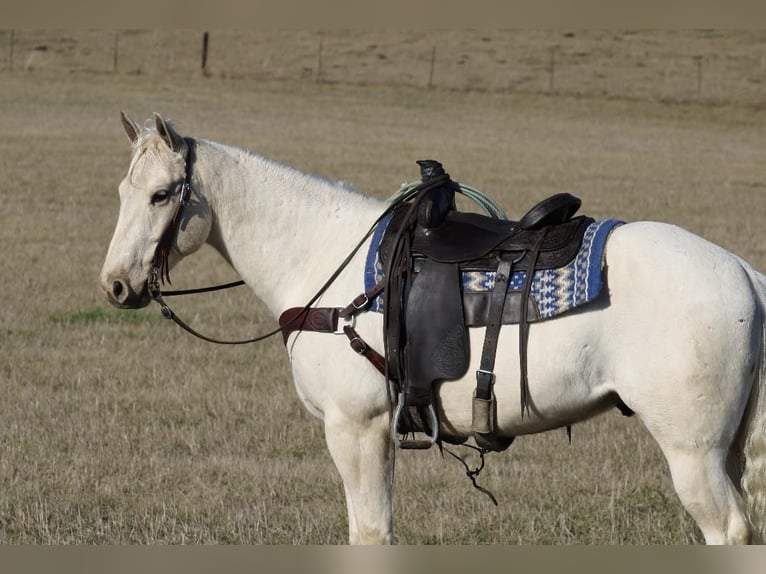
x,y
148,141
310,182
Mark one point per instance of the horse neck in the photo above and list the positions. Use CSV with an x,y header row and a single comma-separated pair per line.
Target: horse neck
x,y
283,231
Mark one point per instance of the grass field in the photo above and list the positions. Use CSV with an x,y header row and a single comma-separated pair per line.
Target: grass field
x,y
712,66
118,428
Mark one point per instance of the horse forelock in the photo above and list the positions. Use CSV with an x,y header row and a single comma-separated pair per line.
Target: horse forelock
x,y
148,146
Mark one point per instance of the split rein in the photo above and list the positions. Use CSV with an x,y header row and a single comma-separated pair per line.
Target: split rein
x,y
160,274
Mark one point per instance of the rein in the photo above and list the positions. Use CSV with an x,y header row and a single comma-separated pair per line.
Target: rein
x,y
160,273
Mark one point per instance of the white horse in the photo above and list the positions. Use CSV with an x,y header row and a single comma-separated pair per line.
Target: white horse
x,y
678,334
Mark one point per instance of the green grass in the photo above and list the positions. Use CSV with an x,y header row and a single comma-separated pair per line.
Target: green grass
x,y
95,315
119,428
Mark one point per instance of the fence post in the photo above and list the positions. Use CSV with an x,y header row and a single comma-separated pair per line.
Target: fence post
x,y
319,62
551,68
116,50
205,42
10,57
431,71
698,60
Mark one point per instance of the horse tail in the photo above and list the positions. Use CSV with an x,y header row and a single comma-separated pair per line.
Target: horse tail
x,y
754,424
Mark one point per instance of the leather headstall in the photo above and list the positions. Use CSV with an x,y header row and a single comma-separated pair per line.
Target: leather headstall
x,y
160,264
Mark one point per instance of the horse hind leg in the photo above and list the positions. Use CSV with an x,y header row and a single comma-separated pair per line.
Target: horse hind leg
x,y
708,494
701,452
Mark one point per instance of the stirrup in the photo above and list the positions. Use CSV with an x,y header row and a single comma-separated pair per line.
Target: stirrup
x,y
419,444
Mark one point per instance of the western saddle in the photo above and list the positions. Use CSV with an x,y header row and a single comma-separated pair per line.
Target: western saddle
x,y
426,247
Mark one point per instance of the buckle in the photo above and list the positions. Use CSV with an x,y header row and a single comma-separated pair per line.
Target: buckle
x,y
153,283
363,304
359,346
484,382
481,373
343,322
185,193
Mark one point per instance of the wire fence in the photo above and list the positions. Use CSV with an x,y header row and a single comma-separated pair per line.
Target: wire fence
x,y
704,65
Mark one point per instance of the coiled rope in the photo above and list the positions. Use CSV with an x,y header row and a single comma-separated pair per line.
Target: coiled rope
x,y
408,190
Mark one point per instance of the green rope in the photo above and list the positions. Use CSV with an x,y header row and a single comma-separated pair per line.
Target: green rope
x,y
408,190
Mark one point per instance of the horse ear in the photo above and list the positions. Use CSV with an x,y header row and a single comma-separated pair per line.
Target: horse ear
x,y
165,130
131,127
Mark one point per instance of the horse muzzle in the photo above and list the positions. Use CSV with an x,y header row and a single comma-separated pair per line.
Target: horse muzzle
x,y
120,293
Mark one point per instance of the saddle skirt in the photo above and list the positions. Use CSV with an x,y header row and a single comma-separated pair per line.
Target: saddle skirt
x,y
553,291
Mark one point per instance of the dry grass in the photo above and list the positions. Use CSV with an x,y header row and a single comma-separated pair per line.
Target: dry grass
x,y
666,65
118,428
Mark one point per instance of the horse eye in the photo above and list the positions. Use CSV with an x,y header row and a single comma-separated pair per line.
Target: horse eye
x,y
160,197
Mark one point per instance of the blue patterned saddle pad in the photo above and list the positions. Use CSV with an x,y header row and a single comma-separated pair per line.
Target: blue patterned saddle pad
x,y
554,291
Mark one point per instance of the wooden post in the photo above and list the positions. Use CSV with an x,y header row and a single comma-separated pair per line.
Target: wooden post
x,y
698,59
431,71
10,57
552,68
319,62
205,42
116,51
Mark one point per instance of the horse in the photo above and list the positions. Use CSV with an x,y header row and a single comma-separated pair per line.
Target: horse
x,y
677,335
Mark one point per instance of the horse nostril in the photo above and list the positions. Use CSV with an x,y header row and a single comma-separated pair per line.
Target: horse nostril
x,y
117,290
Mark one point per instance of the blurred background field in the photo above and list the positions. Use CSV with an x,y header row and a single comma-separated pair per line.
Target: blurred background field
x,y
691,65
118,428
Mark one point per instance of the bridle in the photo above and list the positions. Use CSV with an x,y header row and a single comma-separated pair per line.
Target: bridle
x,y
159,273
160,270
160,266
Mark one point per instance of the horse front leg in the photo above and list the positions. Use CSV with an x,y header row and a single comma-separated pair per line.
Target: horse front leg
x,y
363,454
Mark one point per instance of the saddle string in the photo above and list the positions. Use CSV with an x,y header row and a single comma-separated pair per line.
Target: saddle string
x,y
524,323
473,474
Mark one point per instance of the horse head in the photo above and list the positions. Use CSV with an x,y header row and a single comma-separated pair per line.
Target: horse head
x,y
161,219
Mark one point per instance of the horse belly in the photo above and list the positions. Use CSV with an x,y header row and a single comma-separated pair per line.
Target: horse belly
x,y
567,381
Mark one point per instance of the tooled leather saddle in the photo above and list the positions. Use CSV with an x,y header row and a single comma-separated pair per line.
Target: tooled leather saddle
x,y
426,247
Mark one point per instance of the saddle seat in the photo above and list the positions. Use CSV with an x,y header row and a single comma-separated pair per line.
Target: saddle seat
x,y
463,236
